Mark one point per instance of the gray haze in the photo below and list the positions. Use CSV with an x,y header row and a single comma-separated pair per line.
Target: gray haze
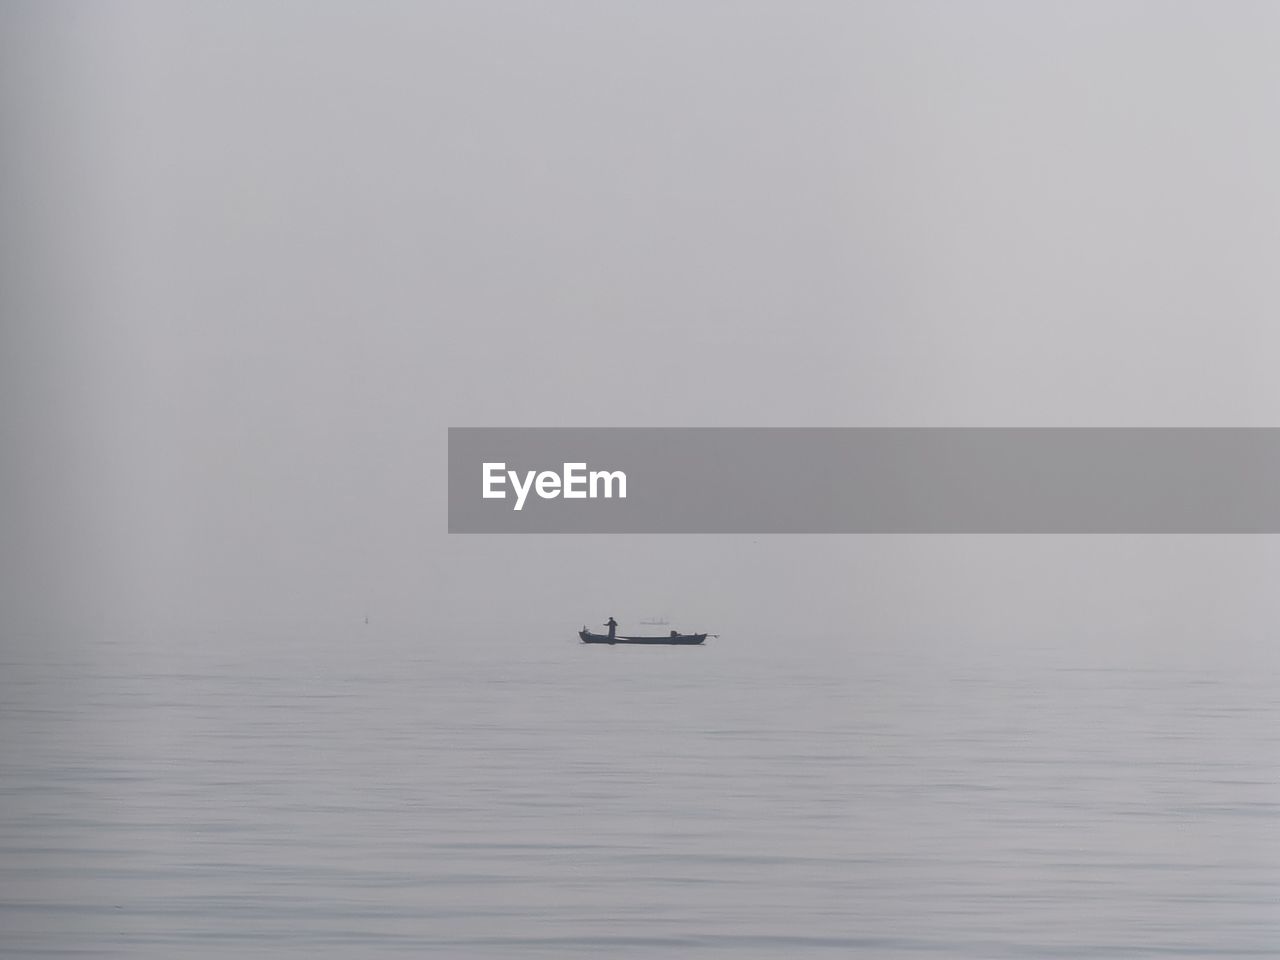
x,y
257,258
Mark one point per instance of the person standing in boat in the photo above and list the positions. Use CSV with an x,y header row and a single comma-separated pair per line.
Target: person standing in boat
x,y
612,624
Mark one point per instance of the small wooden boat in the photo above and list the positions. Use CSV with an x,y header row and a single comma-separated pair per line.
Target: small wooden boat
x,y
673,638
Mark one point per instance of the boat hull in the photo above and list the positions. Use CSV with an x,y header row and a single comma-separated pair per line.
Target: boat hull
x,y
679,640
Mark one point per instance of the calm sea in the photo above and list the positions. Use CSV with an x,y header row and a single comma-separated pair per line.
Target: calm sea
x,y
279,795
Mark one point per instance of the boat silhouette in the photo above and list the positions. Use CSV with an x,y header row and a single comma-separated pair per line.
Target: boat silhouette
x,y
674,638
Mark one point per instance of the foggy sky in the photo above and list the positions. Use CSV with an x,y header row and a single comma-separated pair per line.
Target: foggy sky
x,y
258,257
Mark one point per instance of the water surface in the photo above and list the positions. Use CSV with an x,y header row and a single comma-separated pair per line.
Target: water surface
x,y
367,794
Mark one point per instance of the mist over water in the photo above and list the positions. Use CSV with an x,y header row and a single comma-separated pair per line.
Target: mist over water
x,y
362,792
259,257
